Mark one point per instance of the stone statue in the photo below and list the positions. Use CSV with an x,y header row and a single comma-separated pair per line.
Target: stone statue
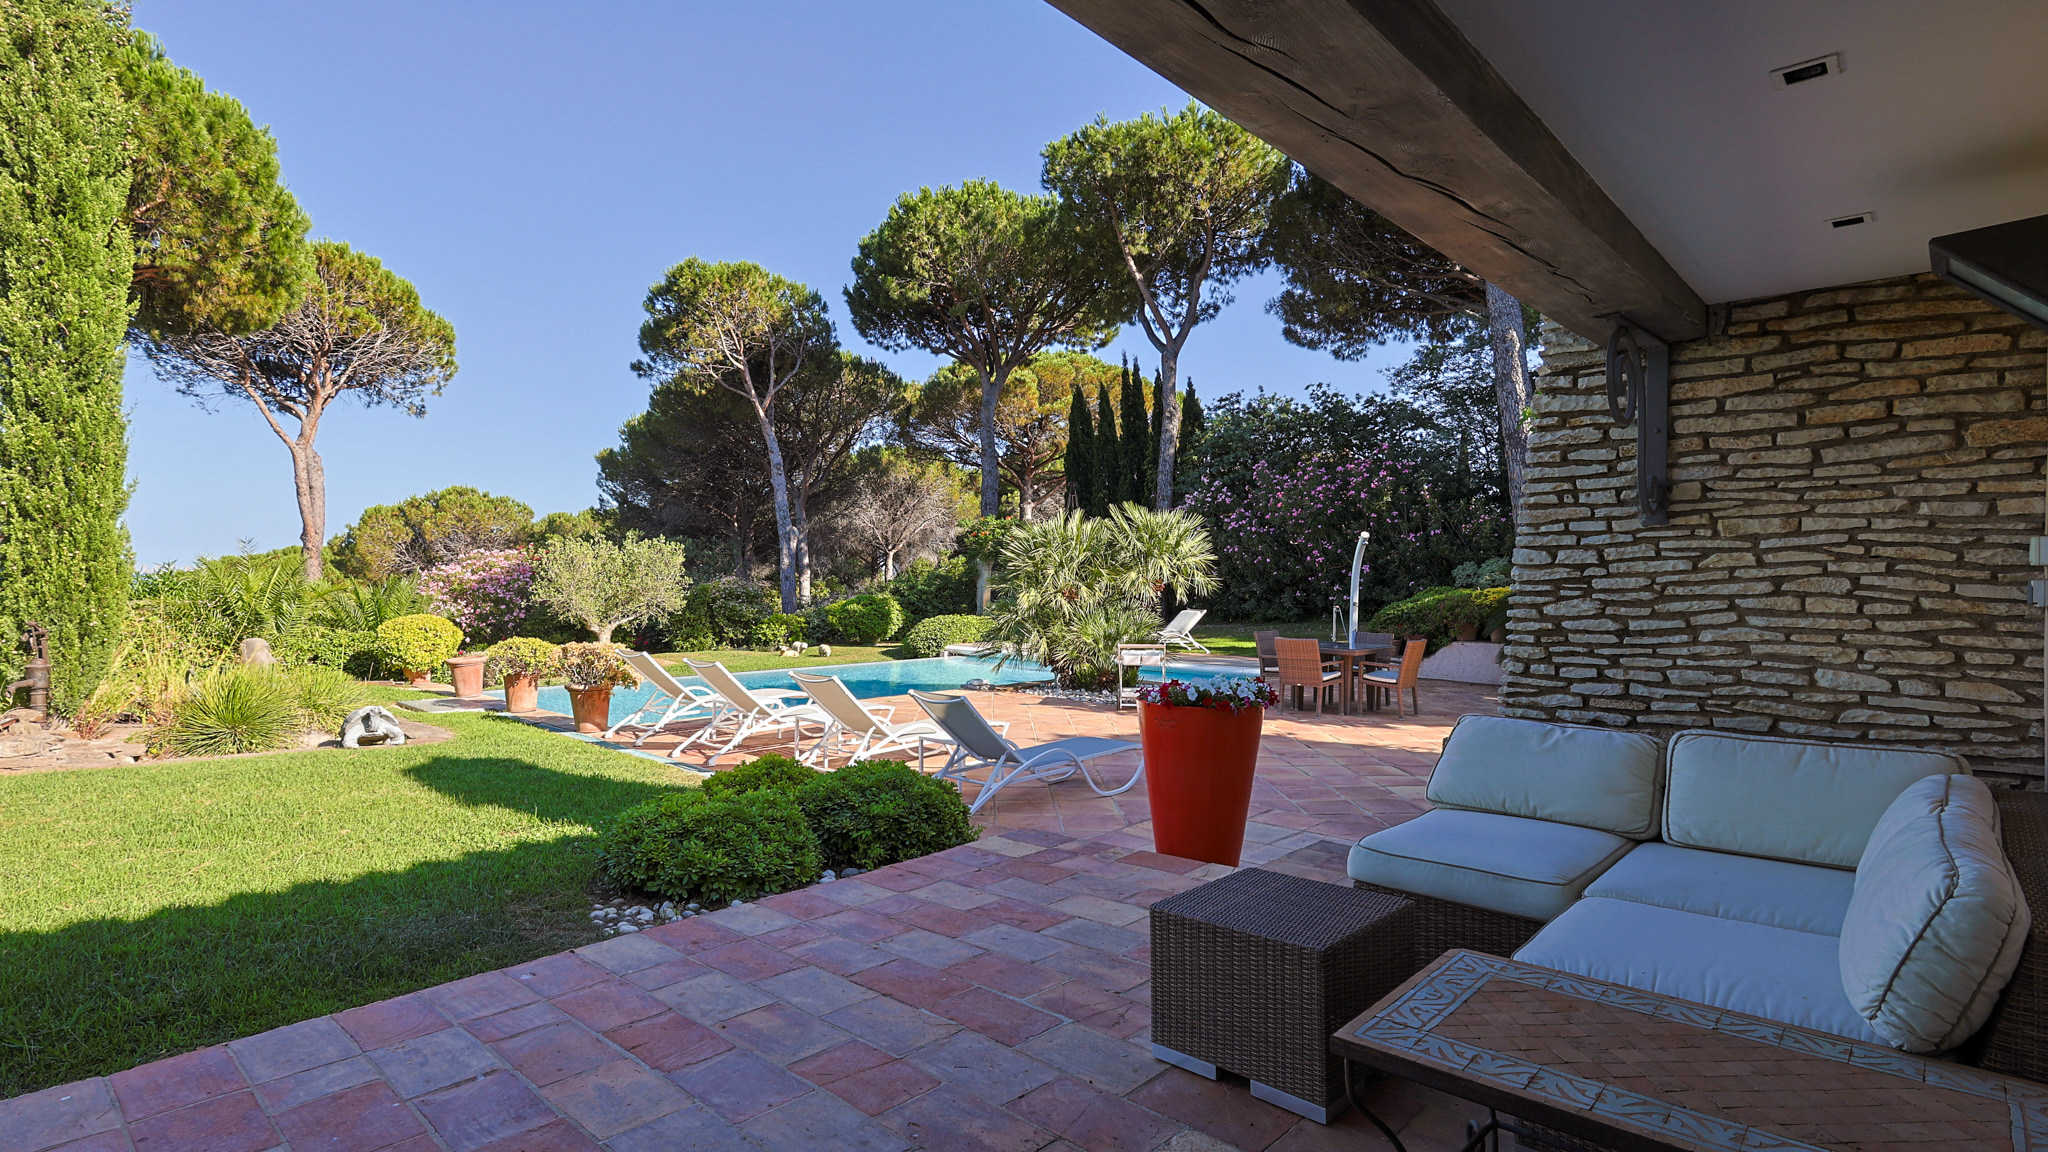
x,y
256,650
369,726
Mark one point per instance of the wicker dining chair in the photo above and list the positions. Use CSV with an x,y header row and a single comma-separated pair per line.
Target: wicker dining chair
x,y
1269,661
1302,666
1391,678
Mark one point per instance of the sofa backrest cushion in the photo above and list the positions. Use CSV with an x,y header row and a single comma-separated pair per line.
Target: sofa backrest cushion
x,y
1937,921
1798,800
1591,777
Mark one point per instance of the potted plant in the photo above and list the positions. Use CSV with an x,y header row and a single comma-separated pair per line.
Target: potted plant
x,y
466,672
1201,748
418,644
521,662
591,671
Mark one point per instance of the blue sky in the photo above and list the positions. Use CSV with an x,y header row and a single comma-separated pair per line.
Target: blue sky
x,y
533,167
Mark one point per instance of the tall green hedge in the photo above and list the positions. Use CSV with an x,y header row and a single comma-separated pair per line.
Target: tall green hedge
x,y
66,259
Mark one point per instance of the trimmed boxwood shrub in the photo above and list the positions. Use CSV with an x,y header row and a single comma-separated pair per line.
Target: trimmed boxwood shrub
x,y
778,773
866,618
418,643
696,845
930,637
878,812
1436,613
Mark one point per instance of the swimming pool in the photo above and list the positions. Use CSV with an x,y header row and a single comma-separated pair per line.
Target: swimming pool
x,y
879,678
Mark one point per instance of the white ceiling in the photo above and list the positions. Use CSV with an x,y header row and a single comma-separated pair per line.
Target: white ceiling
x,y
1938,122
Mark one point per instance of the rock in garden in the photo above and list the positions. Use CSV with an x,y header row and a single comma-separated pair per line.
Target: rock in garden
x,y
256,650
371,725
629,927
12,747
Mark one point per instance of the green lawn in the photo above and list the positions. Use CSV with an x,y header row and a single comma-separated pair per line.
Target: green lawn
x,y
156,908
1236,639
743,660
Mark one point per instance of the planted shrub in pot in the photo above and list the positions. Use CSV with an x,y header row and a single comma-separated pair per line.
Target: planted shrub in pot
x,y
1201,751
418,644
592,670
521,662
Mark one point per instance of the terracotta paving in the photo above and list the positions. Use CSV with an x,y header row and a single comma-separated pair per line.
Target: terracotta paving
x,y
993,996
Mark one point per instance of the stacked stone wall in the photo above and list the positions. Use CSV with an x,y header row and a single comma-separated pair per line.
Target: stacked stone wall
x,y
1856,473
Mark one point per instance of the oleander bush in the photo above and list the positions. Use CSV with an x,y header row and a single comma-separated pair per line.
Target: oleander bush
x,y
867,618
697,845
877,812
420,642
931,636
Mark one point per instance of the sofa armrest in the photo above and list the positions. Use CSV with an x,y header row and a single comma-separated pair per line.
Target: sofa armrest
x,y
2014,1042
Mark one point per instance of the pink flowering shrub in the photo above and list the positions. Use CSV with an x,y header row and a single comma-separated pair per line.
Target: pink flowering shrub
x,y
488,593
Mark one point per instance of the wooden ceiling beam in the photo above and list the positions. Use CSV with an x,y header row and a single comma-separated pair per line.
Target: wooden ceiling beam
x,y
1387,100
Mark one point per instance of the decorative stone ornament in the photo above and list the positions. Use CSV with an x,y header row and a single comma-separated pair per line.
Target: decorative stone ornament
x,y
370,726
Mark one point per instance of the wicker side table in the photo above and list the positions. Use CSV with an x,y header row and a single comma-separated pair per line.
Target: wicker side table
x,y
1253,971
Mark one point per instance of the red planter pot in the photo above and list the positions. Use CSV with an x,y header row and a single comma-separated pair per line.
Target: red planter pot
x,y
522,693
1199,764
468,674
592,708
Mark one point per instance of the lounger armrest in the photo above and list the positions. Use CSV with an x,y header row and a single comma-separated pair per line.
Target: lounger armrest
x,y
1002,726
886,712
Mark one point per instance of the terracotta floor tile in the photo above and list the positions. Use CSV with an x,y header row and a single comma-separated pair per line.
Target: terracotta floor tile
x,y
554,975
669,1042
389,1021
549,1054
1110,973
287,1092
996,1016
821,1122
1094,1121
712,997
1223,1111
910,982
740,1085
977,1064
747,960
609,1005
861,925
615,1097
891,1025
525,1018
840,1062
436,1060
486,994
478,1112
359,1119
814,990
622,954
1103,1061
293,1048
1004,974
557,1136
928,948
878,1089
662,975
690,1130
954,1120
56,1115
692,936
840,956
176,1082
232,1123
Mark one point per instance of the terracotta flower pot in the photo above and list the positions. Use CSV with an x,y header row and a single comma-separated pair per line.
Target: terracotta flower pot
x,y
522,693
1198,775
592,708
1468,631
468,674
419,679
1500,635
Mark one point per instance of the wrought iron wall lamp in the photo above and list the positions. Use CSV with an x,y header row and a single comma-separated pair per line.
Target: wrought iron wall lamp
x,y
1639,394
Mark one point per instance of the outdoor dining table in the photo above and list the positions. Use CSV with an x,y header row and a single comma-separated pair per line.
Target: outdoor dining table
x,y
1349,658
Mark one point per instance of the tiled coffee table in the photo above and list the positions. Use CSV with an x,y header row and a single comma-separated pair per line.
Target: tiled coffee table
x,y
1630,1069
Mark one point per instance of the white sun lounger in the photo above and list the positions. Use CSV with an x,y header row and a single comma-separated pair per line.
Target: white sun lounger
x,y
742,712
859,729
675,701
977,745
1181,631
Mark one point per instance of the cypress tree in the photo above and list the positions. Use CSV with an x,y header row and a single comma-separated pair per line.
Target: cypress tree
x,y
1108,474
1194,437
1080,457
66,258
1152,445
1136,450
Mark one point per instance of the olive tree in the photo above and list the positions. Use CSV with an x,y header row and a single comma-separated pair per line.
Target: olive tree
x,y
359,330
1179,202
604,584
741,328
989,277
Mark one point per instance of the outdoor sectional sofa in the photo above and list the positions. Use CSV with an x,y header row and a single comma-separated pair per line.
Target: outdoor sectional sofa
x,y
1863,891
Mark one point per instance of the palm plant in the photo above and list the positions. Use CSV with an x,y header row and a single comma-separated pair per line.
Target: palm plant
x,y
243,596
1074,588
362,607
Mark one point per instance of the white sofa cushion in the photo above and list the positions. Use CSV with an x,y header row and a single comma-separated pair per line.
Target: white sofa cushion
x,y
1937,922
1512,864
1798,800
1802,897
1776,973
1592,777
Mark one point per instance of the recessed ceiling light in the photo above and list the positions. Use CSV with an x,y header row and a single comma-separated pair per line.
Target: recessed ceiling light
x,y
1808,70
1852,221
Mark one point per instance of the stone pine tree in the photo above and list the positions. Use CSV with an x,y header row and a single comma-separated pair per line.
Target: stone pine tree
x,y
358,330
989,277
1179,203
1080,456
1108,451
65,263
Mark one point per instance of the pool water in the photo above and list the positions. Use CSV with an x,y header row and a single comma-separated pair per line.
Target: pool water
x,y
879,678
